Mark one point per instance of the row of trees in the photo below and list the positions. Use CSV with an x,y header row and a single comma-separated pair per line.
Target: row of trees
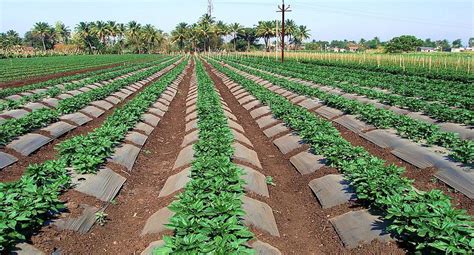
x,y
208,34
404,43
94,37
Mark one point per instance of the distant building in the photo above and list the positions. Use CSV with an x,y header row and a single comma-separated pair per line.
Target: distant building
x,y
354,48
337,49
426,49
462,49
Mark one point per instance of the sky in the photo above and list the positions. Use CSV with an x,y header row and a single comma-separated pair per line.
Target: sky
x,y
327,20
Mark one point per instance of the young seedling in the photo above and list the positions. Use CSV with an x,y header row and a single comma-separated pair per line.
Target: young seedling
x,y
101,217
269,181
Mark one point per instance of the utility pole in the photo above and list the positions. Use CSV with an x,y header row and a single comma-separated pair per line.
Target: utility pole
x,y
283,9
209,7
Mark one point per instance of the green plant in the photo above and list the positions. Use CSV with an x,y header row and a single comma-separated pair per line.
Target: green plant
x,y
269,180
208,213
101,217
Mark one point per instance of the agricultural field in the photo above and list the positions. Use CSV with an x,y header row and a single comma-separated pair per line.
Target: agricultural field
x,y
233,154
22,68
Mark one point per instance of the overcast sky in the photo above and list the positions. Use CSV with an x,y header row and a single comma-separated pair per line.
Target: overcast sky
x,y
330,19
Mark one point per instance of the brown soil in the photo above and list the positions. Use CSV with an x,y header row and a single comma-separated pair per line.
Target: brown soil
x,y
137,200
48,152
303,225
36,79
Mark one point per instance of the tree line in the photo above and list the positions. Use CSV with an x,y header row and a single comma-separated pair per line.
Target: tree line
x,y
404,43
206,34
92,37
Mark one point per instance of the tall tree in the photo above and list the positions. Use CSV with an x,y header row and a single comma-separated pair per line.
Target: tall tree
x,y
133,34
86,34
221,29
121,30
457,43
404,43
374,43
301,34
112,30
62,32
235,29
290,30
193,35
250,36
471,42
9,39
205,31
205,28
101,30
13,38
180,34
443,45
265,30
43,30
151,37
429,43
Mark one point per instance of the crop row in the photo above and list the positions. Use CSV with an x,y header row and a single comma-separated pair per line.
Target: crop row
x,y
26,204
415,130
208,212
439,111
53,91
444,92
426,220
12,69
443,74
49,83
455,87
12,128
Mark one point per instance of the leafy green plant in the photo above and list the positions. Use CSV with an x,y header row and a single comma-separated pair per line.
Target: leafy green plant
x,y
27,203
101,217
269,181
462,150
208,213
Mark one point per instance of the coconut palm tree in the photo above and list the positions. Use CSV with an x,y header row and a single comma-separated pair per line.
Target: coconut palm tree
x,y
85,32
250,35
120,33
180,34
221,28
101,30
205,28
301,34
265,30
235,29
290,29
193,36
111,27
62,32
42,30
13,37
133,34
151,36
206,18
205,31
